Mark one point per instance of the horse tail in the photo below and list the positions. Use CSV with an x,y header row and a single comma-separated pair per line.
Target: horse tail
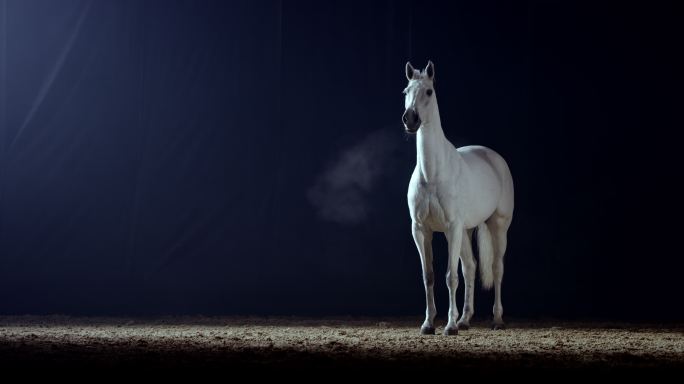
x,y
485,248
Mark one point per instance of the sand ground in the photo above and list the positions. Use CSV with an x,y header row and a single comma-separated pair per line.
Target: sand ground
x,y
306,343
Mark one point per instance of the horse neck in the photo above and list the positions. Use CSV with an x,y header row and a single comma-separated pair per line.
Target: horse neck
x,y
432,148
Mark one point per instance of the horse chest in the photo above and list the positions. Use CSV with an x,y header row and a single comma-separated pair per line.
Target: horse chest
x,y
427,206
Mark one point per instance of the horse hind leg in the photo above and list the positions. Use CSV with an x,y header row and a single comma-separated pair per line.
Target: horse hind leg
x,y
498,226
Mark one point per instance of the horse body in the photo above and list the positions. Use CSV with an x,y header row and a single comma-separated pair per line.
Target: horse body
x,y
472,191
455,191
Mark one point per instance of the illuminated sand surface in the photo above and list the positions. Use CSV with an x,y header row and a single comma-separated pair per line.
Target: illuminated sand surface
x,y
320,343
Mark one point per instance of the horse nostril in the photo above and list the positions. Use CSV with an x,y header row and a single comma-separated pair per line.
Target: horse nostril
x,y
404,118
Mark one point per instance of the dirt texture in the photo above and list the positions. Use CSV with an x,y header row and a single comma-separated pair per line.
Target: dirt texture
x,y
254,343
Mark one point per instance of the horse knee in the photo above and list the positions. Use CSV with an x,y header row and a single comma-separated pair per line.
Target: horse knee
x,y
429,279
452,278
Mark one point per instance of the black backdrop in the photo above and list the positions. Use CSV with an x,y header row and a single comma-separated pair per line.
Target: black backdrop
x,y
247,157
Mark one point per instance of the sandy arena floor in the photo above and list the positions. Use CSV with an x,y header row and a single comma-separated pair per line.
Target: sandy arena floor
x,y
244,342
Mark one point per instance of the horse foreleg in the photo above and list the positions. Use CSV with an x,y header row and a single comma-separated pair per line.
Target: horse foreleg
x,y
423,239
469,270
455,236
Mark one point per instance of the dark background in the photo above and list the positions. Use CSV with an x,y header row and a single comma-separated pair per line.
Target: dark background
x,y
158,157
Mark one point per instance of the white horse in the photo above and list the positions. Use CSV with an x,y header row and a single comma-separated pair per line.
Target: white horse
x,y
455,190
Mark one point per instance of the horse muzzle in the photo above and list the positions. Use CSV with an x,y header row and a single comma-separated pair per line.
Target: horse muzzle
x,y
411,120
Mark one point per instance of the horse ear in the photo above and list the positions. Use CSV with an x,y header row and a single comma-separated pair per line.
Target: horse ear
x,y
409,70
430,70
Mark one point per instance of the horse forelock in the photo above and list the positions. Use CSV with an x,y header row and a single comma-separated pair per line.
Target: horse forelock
x,y
417,81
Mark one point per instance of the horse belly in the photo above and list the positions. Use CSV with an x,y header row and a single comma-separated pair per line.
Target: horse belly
x,y
479,212
482,193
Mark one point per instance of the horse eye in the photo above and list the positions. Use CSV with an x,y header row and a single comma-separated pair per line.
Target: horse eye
x,y
429,92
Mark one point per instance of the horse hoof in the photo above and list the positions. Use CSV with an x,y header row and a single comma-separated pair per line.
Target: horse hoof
x,y
427,330
463,325
498,326
448,331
